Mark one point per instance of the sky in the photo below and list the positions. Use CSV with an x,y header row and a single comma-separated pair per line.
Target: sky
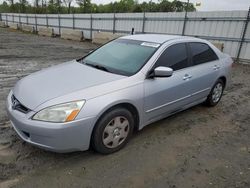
x,y
206,5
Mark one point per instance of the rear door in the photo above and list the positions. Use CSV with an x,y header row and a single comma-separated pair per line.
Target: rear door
x,y
205,69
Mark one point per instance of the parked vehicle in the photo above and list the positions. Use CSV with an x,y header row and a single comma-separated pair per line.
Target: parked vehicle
x,y
126,84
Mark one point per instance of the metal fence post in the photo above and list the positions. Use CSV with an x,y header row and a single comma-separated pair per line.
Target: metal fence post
x,y
91,20
35,23
19,19
12,18
47,21
114,23
73,19
6,19
0,16
185,19
143,23
59,24
27,19
184,25
243,35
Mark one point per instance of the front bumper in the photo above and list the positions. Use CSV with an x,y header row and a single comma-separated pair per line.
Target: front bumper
x,y
57,137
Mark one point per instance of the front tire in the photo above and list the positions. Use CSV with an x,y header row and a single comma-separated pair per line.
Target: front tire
x,y
216,93
113,131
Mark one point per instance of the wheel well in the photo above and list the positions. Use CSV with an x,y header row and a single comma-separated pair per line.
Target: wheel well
x,y
223,78
130,108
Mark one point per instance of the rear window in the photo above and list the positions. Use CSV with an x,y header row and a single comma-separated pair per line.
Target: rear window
x,y
201,53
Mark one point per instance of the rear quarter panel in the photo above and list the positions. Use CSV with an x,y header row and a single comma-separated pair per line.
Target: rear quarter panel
x,y
226,70
226,64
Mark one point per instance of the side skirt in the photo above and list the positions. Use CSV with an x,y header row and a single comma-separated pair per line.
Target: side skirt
x,y
173,112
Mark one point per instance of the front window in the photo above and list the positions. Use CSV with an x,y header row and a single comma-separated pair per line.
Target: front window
x,y
122,56
175,57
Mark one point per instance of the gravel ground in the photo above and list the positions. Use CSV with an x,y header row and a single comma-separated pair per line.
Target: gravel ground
x,y
200,147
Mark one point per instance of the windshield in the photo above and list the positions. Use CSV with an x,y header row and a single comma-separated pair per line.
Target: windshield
x,y
121,56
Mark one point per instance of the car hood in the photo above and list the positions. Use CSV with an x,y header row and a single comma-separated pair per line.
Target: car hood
x,y
59,80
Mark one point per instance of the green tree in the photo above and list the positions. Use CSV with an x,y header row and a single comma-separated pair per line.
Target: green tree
x,y
4,7
51,7
12,6
85,5
23,5
178,6
58,5
166,6
137,8
68,5
126,5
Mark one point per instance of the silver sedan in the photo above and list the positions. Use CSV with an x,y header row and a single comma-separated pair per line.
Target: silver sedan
x,y
100,99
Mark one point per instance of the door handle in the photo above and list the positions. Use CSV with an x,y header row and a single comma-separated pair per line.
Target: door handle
x,y
187,77
216,67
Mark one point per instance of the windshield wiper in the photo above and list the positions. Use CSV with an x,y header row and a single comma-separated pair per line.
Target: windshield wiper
x,y
100,67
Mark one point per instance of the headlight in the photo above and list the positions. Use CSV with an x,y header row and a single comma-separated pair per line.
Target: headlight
x,y
60,113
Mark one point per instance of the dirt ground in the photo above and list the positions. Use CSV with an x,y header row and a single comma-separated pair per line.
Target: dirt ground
x,y
200,147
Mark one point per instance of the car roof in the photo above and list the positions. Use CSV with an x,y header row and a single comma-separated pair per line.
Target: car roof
x,y
156,38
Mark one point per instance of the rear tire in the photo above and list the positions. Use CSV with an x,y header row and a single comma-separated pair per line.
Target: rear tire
x,y
216,93
113,131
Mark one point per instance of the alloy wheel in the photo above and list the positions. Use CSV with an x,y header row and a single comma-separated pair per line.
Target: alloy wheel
x,y
217,92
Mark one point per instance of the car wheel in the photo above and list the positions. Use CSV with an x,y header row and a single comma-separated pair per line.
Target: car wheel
x,y
216,93
113,131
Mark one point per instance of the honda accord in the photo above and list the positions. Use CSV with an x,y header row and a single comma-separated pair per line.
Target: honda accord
x,y
126,84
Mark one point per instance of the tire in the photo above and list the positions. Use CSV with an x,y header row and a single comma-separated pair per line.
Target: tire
x,y
213,99
112,131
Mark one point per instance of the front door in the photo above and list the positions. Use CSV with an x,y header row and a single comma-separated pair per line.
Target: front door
x,y
165,95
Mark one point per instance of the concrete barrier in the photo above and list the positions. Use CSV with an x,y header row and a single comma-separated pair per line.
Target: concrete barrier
x,y
72,34
218,45
104,37
46,31
13,25
28,28
2,24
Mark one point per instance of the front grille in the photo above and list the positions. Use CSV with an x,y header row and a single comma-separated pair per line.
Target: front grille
x,y
16,105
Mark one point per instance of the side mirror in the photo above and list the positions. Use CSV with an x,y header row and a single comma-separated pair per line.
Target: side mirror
x,y
162,72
